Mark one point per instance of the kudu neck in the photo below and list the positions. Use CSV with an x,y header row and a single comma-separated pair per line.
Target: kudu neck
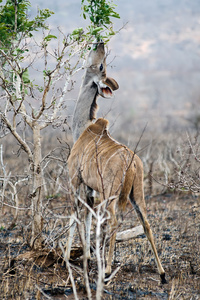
x,y
85,109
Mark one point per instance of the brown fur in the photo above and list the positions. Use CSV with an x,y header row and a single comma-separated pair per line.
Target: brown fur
x,y
110,168
105,165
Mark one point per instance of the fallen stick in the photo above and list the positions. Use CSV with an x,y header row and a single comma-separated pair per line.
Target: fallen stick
x,y
129,234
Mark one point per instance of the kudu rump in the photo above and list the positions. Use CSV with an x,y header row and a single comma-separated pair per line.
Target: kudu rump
x,y
101,163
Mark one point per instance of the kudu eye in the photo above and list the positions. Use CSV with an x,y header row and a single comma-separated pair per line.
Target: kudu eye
x,y
101,67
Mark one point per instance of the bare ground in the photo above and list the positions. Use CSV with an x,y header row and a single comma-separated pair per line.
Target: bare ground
x,y
175,221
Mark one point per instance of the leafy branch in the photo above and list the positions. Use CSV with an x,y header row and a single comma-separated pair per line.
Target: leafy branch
x,y
15,25
100,14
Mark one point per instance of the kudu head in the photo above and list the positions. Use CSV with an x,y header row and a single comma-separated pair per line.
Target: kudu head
x,y
96,71
94,83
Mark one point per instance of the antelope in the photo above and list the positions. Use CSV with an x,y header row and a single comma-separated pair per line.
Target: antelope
x,y
108,167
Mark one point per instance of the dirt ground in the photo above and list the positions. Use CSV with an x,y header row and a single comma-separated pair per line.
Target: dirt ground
x,y
175,221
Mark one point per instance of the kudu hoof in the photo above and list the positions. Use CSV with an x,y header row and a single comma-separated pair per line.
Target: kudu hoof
x,y
162,277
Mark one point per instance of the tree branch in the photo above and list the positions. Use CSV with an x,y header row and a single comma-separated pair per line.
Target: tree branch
x,y
17,136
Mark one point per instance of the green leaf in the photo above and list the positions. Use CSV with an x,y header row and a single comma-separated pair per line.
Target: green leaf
x,y
77,30
25,76
96,30
50,37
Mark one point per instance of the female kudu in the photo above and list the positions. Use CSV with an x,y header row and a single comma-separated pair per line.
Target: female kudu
x,y
110,168
94,83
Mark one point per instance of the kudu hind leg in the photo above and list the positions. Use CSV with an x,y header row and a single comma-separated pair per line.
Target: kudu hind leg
x,y
143,219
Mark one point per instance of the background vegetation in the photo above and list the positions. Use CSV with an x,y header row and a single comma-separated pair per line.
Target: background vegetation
x,y
37,74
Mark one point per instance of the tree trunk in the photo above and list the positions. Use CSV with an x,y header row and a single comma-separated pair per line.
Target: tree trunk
x,y
37,194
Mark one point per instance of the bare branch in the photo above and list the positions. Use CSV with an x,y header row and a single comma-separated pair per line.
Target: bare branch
x,y
18,137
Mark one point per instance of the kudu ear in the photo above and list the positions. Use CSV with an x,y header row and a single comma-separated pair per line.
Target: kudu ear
x,y
112,83
106,87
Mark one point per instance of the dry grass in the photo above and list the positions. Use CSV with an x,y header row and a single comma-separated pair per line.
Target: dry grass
x,y
176,223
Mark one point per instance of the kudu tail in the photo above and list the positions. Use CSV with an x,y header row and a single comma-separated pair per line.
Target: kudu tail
x,y
126,189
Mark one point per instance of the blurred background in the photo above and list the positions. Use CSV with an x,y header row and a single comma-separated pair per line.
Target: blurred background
x,y
155,58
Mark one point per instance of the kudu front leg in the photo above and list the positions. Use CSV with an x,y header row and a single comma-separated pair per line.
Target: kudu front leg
x,y
88,220
113,225
72,227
